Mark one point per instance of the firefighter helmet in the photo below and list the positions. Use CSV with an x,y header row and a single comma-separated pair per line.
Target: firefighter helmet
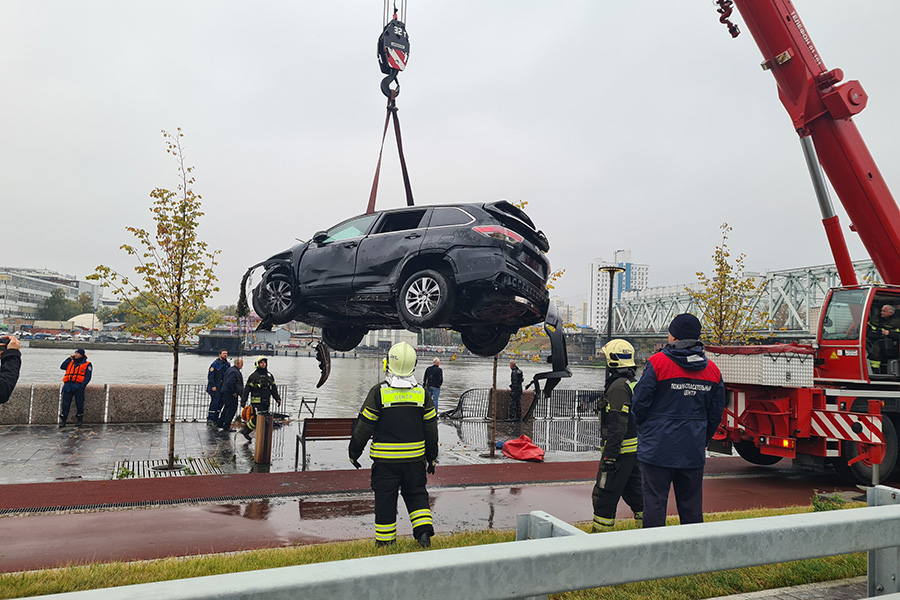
x,y
247,413
260,359
619,353
401,360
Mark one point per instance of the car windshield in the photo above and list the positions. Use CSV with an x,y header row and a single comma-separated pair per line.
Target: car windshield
x,y
349,229
843,314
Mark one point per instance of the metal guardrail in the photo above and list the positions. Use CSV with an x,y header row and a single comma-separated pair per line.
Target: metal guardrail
x,y
562,404
534,567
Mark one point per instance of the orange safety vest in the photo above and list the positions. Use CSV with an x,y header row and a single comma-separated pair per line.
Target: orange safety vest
x,y
75,372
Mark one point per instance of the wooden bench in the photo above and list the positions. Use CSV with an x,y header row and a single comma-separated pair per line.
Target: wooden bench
x,y
322,429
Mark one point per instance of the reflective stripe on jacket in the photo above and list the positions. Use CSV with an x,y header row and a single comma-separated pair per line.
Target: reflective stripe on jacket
x,y
401,422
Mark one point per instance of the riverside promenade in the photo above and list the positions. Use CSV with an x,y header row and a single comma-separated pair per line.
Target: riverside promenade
x,y
60,503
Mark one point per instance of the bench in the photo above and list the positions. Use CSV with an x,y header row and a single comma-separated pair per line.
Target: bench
x,y
322,429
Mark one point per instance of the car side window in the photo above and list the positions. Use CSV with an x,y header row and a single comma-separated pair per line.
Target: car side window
x,y
349,229
449,216
401,221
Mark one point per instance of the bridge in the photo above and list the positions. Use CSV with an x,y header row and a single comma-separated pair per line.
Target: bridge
x,y
792,298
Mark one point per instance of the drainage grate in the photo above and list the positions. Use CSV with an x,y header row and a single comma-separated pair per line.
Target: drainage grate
x,y
135,469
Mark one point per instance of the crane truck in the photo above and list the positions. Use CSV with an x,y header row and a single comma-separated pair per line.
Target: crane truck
x,y
829,402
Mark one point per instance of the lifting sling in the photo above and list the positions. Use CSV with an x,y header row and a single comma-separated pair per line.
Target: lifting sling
x,y
393,53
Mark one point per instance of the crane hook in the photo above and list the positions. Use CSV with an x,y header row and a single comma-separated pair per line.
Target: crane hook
x,y
386,88
725,9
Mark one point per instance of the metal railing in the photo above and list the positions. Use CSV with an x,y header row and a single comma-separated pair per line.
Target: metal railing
x,y
534,567
562,404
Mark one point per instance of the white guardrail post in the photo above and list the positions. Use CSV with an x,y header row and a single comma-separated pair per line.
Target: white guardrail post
x,y
536,525
884,563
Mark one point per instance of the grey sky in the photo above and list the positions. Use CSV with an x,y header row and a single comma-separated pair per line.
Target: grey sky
x,y
632,125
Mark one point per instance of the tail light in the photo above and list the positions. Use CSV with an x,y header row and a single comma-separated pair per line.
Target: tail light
x,y
499,233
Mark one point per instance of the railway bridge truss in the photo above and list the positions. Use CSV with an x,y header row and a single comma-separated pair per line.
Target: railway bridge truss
x,y
792,298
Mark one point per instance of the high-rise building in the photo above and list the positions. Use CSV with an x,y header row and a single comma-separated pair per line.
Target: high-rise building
x,y
634,277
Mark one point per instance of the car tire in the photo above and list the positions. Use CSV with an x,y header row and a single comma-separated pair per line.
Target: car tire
x,y
275,298
343,338
860,472
749,452
484,341
426,299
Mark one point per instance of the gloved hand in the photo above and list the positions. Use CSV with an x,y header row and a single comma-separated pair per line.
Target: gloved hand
x,y
609,465
355,463
430,468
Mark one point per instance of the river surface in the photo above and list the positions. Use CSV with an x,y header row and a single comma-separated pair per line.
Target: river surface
x,y
340,396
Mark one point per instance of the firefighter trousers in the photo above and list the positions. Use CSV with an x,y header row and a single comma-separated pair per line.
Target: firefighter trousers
x,y
624,483
409,480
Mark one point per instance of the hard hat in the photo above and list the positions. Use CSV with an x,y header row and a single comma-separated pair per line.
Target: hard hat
x,y
260,359
401,360
619,353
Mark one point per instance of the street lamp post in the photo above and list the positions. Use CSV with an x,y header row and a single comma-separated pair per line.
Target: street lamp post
x,y
612,270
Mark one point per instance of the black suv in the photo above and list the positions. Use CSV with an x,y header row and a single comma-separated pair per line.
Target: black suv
x,y
477,268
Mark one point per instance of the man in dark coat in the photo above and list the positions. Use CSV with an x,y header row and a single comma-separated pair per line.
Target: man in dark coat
x,y
10,363
215,378
677,407
516,377
232,389
433,380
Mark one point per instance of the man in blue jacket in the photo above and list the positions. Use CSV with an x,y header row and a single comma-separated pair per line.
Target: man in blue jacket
x,y
677,407
215,379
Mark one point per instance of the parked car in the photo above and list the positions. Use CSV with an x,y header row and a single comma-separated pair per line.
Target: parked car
x,y
480,269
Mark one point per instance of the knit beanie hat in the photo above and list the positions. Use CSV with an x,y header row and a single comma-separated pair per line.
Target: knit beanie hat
x,y
685,327
81,352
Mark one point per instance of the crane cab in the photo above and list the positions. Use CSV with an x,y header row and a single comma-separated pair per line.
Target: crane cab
x,y
859,336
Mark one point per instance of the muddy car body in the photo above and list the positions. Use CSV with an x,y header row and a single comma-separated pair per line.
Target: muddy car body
x,y
480,269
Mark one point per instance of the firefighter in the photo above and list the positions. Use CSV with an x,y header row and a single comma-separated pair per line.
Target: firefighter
x,y
400,417
882,337
619,475
261,389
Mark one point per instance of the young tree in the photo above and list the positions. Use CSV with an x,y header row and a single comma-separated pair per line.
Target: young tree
x,y
175,271
726,300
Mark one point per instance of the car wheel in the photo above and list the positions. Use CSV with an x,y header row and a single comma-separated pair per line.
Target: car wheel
x,y
343,338
275,298
484,341
749,452
426,299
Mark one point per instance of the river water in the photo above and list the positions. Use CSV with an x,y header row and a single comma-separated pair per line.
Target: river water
x,y
340,396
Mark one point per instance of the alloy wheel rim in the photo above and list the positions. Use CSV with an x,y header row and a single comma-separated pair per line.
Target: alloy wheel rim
x,y
423,296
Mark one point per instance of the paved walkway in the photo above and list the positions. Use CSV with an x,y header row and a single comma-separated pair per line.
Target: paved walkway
x,y
59,502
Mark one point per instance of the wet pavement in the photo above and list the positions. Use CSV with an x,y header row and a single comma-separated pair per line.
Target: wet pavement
x,y
60,504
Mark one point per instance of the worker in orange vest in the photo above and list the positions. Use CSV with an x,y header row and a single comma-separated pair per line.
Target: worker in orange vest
x,y
78,374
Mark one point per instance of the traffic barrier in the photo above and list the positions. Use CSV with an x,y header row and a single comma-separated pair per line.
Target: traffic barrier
x,y
533,568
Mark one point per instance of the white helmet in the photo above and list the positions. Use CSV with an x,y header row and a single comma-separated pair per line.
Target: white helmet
x,y
401,360
619,354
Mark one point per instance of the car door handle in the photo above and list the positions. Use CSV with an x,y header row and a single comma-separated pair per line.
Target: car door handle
x,y
413,236
351,245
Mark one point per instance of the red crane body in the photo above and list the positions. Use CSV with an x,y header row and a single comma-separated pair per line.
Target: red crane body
x,y
821,107
836,402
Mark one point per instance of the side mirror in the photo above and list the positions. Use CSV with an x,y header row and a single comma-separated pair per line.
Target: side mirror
x,y
320,236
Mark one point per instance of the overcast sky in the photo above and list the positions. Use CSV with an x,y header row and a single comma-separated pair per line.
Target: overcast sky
x,y
624,125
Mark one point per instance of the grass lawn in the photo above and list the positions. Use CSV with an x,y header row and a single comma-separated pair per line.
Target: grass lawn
x,y
94,576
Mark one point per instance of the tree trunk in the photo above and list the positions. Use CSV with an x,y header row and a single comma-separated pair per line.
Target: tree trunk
x,y
172,415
